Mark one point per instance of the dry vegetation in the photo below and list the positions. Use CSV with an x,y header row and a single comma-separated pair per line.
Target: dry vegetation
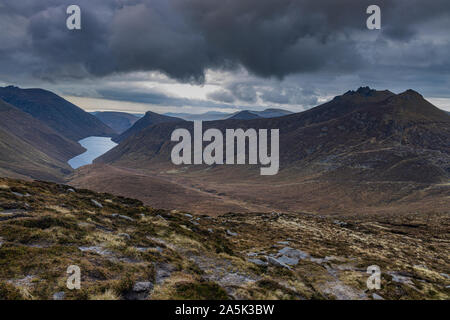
x,y
130,251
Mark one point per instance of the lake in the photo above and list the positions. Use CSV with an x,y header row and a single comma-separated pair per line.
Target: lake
x,y
95,147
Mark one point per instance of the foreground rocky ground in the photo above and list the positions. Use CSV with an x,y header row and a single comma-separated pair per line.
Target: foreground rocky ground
x,y
126,250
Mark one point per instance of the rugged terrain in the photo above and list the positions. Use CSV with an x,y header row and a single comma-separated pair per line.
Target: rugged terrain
x,y
252,114
130,251
59,114
362,152
118,121
150,119
29,148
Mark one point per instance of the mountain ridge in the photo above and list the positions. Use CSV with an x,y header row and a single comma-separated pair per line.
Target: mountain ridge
x,y
358,152
150,118
59,114
118,121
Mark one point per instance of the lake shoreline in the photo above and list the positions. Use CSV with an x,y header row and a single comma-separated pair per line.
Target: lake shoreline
x,y
95,147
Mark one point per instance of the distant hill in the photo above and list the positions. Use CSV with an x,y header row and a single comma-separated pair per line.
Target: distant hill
x,y
30,149
361,150
207,116
272,113
214,115
150,118
244,115
37,133
118,121
59,114
268,113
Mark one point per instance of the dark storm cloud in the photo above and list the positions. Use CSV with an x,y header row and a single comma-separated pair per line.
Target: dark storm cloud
x,y
222,96
154,97
243,91
290,95
183,38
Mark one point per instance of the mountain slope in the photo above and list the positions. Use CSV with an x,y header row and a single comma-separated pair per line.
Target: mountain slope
x,y
367,128
364,151
62,116
207,116
150,118
118,121
22,160
252,114
30,149
244,115
127,250
37,134
273,113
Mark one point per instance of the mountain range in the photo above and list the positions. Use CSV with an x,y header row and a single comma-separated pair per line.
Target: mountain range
x,y
118,121
360,151
268,113
39,133
207,116
150,119
59,114
29,148
363,151
214,115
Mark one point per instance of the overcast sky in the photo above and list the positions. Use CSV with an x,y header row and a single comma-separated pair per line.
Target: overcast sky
x,y
202,55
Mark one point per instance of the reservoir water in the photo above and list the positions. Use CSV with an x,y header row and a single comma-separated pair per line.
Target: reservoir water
x,y
95,147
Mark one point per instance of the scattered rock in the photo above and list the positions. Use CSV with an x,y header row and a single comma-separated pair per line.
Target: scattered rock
x,y
258,262
70,190
59,295
8,213
232,234
210,230
163,271
140,291
252,254
287,260
377,297
276,262
96,249
188,215
285,243
96,203
294,253
400,278
340,223
122,217
442,274
17,194
125,235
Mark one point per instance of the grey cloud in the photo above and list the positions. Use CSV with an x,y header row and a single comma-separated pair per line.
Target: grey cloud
x,y
243,91
154,97
222,96
290,95
183,38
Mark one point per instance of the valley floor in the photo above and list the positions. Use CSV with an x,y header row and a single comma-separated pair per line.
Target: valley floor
x,y
204,192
